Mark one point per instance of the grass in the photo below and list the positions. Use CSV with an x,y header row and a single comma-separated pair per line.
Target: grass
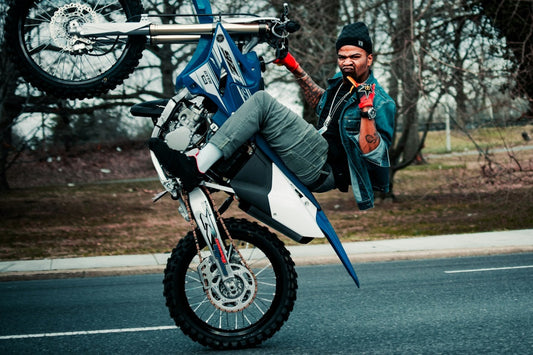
x,y
485,138
446,196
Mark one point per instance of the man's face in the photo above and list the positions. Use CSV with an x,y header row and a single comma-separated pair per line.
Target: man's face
x,y
355,62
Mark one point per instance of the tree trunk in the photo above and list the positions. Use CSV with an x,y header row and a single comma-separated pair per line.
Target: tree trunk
x,y
8,113
513,19
404,71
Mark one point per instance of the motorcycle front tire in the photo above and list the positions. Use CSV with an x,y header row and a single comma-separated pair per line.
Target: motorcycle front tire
x,y
205,319
48,54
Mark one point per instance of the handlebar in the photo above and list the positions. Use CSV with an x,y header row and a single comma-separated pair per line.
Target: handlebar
x,y
275,31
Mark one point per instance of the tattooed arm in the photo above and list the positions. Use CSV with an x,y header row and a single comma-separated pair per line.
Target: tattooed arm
x,y
312,92
369,138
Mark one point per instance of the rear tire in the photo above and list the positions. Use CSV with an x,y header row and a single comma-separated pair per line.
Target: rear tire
x,y
219,323
61,64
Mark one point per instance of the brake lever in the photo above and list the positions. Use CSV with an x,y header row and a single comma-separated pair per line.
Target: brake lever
x,y
285,12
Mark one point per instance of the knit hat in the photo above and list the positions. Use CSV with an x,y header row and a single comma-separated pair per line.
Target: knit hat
x,y
355,34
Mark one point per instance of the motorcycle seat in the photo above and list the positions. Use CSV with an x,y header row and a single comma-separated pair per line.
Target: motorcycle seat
x,y
152,109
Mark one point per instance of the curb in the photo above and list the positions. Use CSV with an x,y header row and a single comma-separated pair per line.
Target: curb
x,y
298,260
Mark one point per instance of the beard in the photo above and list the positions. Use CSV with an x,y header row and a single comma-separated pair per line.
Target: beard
x,y
352,72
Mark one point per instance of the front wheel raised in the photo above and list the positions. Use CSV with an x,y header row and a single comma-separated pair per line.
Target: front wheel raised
x,y
42,38
263,295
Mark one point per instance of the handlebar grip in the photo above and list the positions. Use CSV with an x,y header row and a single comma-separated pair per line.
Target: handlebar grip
x,y
292,26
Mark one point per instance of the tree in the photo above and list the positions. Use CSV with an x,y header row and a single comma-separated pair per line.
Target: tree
x,y
8,111
314,44
514,20
426,53
10,104
405,85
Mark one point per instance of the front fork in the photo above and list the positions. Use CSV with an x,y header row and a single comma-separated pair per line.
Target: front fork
x,y
206,221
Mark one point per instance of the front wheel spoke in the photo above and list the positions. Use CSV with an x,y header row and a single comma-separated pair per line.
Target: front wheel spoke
x,y
105,7
267,283
246,318
192,276
44,12
211,316
94,69
236,321
263,269
259,261
77,70
264,300
54,67
199,304
259,308
42,47
195,288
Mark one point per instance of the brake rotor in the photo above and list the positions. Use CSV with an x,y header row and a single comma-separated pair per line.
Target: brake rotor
x,y
66,24
235,294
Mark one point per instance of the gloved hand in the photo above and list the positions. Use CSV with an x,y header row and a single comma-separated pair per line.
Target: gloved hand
x,y
366,93
289,62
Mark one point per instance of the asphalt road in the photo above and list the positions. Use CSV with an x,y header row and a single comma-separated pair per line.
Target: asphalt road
x,y
475,305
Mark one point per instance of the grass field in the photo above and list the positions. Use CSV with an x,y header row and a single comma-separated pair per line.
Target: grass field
x,y
485,138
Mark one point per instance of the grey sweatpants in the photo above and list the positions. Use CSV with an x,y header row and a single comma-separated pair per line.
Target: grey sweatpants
x,y
297,143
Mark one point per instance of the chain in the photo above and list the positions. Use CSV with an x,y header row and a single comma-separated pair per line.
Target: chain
x,y
333,109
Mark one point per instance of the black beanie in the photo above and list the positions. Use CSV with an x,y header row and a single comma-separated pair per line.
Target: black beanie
x,y
355,34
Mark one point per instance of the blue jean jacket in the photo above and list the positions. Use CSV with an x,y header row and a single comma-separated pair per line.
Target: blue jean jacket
x,y
368,172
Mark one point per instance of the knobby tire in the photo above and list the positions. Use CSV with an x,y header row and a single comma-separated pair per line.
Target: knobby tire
x,y
30,21
242,231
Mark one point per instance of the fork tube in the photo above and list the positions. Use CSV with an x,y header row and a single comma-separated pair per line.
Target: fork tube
x,y
206,222
206,29
161,39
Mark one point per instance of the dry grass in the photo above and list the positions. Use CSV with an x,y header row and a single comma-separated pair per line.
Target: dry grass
x,y
450,194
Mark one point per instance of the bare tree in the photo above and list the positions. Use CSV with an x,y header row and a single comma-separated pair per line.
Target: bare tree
x,y
314,44
8,111
426,51
514,20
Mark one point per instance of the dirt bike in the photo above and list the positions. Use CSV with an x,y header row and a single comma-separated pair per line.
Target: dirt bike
x,y
229,283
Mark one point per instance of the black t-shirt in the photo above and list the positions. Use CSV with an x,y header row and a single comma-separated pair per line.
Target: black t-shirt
x,y
337,158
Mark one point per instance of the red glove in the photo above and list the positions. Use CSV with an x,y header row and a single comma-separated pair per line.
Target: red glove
x,y
289,62
366,93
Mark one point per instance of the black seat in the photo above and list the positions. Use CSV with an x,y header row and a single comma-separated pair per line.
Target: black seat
x,y
152,109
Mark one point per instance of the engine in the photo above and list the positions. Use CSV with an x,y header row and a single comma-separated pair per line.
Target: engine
x,y
189,126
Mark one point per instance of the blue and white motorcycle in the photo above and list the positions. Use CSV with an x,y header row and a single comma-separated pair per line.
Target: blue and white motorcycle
x,y
229,283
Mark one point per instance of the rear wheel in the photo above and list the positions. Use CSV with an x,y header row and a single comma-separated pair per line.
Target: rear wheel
x,y
42,40
262,298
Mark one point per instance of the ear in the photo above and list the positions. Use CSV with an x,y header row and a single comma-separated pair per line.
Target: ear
x,y
369,59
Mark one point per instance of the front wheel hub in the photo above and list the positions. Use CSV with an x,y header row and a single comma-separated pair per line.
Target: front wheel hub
x,y
232,295
65,27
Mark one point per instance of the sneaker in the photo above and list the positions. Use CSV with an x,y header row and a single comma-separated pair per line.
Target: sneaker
x,y
176,163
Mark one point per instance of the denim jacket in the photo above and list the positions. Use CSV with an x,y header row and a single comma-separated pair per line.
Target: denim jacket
x,y
368,172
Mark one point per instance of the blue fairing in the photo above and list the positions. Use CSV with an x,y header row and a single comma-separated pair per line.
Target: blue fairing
x,y
203,7
249,77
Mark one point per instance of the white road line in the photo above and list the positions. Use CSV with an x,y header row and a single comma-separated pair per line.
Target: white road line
x,y
490,269
86,332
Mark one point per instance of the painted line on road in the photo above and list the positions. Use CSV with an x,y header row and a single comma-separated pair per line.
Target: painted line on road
x,y
490,269
86,332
